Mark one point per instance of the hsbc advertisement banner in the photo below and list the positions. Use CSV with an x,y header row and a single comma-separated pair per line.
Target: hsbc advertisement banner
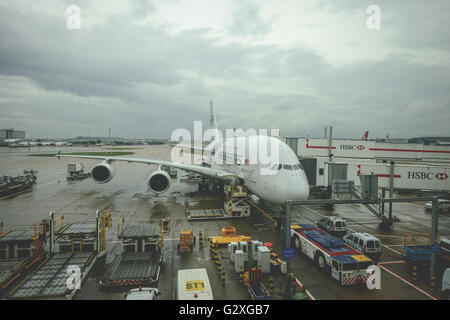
x,y
405,176
371,150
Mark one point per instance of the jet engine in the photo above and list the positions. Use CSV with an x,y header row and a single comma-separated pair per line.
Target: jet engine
x,y
102,173
159,181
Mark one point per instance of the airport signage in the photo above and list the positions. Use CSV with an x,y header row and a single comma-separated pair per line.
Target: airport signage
x,y
427,175
436,248
352,147
288,253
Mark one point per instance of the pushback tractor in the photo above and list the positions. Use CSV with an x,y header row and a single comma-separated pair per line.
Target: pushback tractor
x,y
332,255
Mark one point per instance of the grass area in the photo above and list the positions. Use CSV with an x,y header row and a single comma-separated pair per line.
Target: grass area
x,y
101,154
122,148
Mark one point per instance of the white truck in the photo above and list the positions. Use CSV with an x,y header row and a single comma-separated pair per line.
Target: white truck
x,y
364,243
193,284
143,294
443,205
334,225
446,283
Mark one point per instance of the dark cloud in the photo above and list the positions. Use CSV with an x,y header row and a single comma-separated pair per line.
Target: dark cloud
x,y
142,81
415,24
247,20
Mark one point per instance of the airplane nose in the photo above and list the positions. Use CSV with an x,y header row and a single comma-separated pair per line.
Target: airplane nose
x,y
298,189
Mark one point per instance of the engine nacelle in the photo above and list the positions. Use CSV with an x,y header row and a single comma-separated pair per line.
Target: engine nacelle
x,y
102,173
159,181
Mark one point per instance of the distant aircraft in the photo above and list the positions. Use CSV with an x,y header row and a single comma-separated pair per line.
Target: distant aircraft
x,y
288,182
365,136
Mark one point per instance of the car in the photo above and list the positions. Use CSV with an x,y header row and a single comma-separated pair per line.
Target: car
x,y
365,243
334,225
443,204
143,294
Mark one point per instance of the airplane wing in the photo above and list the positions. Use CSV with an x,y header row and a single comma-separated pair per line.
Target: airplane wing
x,y
214,174
190,148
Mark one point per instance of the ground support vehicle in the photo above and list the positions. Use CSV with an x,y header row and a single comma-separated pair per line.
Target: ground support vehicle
x,y
256,289
334,225
343,263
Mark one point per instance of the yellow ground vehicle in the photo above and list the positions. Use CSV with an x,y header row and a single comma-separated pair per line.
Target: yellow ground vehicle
x,y
229,235
186,241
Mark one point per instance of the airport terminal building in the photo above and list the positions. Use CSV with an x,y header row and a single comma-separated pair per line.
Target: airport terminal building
x,y
11,134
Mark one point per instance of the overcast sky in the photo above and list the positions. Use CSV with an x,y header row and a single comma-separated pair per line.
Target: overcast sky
x,y
145,68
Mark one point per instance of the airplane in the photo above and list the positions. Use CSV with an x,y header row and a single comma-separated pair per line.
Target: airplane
x,y
287,182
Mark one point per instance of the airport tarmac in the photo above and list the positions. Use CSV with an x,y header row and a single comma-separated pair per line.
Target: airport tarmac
x,y
126,197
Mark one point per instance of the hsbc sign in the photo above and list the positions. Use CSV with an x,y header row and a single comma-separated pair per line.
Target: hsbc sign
x,y
441,176
427,175
351,147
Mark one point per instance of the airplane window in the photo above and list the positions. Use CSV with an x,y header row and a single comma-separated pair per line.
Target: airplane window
x,y
287,167
280,167
296,167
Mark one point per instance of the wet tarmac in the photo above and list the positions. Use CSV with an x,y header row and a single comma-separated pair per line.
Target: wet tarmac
x,y
126,197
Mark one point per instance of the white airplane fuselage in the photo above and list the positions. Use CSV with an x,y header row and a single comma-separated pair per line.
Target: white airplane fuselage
x,y
280,180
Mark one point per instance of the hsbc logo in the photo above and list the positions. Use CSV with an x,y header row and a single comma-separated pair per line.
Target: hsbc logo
x,y
352,147
441,176
427,175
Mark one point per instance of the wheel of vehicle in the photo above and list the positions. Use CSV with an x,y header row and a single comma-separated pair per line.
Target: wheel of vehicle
x,y
320,260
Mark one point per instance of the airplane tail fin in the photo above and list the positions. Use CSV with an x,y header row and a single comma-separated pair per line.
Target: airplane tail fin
x,y
365,136
216,138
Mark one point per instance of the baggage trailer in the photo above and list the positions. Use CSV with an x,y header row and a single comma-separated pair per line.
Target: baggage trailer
x,y
13,185
133,269
418,251
58,277
256,289
139,263
343,263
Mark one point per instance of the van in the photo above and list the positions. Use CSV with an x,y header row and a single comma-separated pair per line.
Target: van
x,y
445,245
142,294
334,225
446,283
193,284
364,243
442,205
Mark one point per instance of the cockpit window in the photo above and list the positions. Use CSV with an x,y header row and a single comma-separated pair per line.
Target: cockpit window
x,y
290,167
